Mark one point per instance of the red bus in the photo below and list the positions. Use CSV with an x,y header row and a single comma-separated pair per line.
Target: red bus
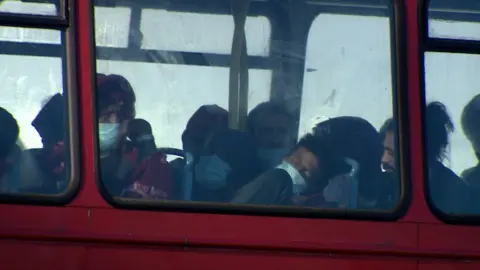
x,y
323,59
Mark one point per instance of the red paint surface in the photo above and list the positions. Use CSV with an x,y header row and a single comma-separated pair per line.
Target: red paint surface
x,y
89,234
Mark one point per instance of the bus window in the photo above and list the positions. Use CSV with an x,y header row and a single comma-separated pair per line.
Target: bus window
x,y
169,92
162,72
111,26
456,25
34,148
195,33
452,146
46,7
346,73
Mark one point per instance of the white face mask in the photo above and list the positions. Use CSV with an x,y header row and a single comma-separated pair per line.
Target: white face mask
x,y
299,183
211,172
343,189
107,135
271,157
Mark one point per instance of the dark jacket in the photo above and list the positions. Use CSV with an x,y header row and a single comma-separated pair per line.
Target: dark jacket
x,y
273,187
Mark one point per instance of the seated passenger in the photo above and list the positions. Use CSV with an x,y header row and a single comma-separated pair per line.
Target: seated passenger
x,y
447,191
227,162
339,149
471,128
8,153
224,159
391,178
122,172
198,132
48,163
272,126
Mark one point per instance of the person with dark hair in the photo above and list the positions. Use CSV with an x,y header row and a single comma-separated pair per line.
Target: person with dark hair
x,y
391,176
123,173
357,151
50,160
447,191
198,132
279,185
340,150
471,127
388,135
8,149
224,159
115,110
201,126
271,124
9,135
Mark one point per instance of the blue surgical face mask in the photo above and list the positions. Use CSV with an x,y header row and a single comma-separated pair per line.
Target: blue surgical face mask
x,y
211,172
271,157
107,135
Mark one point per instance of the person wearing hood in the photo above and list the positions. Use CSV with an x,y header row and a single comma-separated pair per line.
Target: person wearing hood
x,y
272,125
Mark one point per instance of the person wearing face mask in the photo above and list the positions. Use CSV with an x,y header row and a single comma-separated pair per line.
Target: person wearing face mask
x,y
224,159
125,171
197,134
228,162
115,109
324,170
292,177
271,124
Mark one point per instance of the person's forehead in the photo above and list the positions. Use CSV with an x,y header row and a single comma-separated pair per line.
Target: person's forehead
x,y
389,140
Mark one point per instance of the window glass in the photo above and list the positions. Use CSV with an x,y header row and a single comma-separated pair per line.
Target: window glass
x,y
35,159
345,74
452,110
452,161
192,32
112,26
445,20
44,7
346,70
148,99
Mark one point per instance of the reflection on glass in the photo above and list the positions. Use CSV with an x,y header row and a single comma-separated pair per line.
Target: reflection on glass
x,y
164,127
34,155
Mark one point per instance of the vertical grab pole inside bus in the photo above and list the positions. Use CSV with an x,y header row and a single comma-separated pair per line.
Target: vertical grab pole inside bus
x,y
238,80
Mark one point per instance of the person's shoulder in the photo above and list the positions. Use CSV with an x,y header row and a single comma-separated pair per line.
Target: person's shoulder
x,y
276,173
472,175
